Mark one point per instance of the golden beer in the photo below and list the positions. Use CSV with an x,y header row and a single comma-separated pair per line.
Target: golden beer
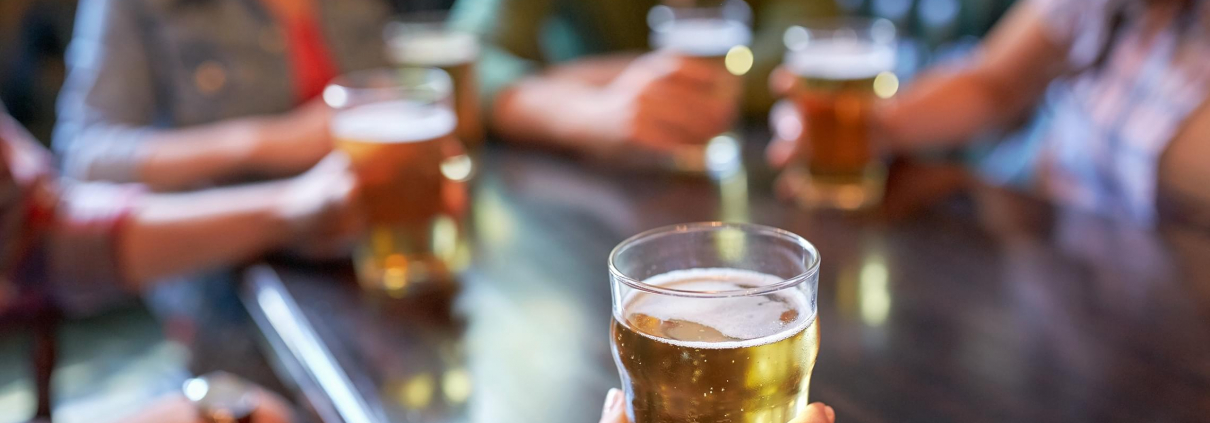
x,y
433,45
412,172
840,78
838,112
744,359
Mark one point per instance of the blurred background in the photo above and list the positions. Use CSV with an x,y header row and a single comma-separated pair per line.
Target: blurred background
x,y
35,33
95,374
33,37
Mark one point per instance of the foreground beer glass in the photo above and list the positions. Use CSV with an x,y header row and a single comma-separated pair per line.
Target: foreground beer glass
x,y
720,36
427,41
714,322
843,67
397,127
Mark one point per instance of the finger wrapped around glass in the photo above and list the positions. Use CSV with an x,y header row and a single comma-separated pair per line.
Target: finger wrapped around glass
x,y
720,37
843,67
397,127
714,322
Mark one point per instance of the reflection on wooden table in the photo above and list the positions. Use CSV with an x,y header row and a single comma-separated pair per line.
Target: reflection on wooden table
x,y
955,301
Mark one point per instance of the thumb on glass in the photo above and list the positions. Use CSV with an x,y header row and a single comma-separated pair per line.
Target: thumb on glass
x,y
614,410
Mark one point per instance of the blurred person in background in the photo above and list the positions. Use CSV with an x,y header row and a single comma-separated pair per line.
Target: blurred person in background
x,y
82,246
573,74
182,94
1122,125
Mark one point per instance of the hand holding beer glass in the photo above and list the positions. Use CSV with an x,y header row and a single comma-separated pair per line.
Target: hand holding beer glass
x,y
397,128
714,39
714,322
840,68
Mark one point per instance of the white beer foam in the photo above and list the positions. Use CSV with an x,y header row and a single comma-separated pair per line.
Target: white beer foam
x,y
433,48
701,36
840,59
754,319
394,122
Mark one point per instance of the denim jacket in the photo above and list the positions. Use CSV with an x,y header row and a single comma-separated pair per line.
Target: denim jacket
x,y
137,65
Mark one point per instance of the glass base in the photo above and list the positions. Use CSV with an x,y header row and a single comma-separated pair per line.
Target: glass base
x,y
400,262
398,275
721,156
846,192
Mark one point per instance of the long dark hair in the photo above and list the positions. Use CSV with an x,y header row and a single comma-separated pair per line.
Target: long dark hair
x,y
1185,19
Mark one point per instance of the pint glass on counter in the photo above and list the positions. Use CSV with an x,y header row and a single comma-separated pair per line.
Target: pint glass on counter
x,y
719,36
428,41
714,322
843,67
397,126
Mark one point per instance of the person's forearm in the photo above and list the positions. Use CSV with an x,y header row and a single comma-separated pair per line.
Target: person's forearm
x,y
187,158
177,233
556,107
948,108
1006,77
542,111
593,70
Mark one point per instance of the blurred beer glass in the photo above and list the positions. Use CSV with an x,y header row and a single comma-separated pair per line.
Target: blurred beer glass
x,y
719,35
427,41
843,67
397,126
714,322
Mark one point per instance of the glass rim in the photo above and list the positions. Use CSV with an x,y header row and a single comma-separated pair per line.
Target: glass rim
x,y
432,21
683,228
401,37
835,23
880,31
436,77
662,14
438,17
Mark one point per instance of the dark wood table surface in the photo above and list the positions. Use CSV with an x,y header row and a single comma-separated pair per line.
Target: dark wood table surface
x,y
955,302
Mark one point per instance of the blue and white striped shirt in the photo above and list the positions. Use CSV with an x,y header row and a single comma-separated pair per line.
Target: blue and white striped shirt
x,y
1107,126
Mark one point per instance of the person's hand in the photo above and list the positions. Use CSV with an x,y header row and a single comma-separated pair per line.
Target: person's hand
x,y
321,207
615,411
789,124
785,121
290,143
272,408
663,100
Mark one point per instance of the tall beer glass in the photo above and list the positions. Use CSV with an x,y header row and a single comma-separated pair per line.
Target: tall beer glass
x,y
843,67
714,322
397,127
719,36
427,40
